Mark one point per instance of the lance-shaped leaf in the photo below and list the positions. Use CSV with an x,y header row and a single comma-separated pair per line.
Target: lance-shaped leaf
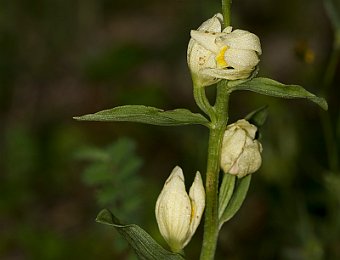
x,y
142,243
226,192
147,115
258,117
273,88
235,203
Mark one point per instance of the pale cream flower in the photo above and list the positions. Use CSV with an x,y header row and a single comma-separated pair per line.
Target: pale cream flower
x,y
179,214
214,54
241,153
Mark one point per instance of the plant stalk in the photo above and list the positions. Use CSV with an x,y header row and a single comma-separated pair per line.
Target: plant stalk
x,y
217,128
219,120
226,12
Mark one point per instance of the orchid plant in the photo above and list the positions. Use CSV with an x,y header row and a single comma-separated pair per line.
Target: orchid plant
x,y
228,59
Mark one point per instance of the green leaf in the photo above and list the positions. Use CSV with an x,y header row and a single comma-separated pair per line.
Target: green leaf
x,y
147,115
142,243
273,88
236,200
226,191
258,117
106,169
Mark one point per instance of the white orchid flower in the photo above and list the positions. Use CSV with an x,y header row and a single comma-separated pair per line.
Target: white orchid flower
x,y
179,214
214,54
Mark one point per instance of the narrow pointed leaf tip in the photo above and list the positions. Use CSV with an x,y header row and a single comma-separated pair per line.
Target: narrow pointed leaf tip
x,y
142,243
258,117
147,115
273,88
236,201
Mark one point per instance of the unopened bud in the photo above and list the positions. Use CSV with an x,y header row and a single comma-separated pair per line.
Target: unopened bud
x,y
179,214
241,153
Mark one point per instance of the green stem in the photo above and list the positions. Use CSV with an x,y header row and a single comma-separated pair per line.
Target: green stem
x,y
203,102
219,119
226,12
217,128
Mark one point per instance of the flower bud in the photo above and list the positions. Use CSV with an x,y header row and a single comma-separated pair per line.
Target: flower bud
x,y
241,153
179,214
214,54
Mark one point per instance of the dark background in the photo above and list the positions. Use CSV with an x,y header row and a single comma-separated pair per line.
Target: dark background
x,y
63,58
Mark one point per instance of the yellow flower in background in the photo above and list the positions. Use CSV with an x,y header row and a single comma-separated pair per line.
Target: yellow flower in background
x,y
179,214
241,153
214,54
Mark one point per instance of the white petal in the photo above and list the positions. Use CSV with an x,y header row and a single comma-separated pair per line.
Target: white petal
x,y
230,74
198,59
197,197
232,147
173,210
228,29
241,59
240,39
201,43
249,128
213,24
205,39
250,159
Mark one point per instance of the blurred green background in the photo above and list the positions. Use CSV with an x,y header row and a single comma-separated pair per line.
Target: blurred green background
x,y
64,58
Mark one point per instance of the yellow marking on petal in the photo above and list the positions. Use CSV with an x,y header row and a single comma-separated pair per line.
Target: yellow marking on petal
x,y
193,211
221,62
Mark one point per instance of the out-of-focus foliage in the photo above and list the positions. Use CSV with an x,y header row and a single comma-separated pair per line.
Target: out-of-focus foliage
x,y
113,172
60,59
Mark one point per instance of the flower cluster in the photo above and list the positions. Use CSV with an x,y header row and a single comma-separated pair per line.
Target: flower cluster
x,y
213,54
